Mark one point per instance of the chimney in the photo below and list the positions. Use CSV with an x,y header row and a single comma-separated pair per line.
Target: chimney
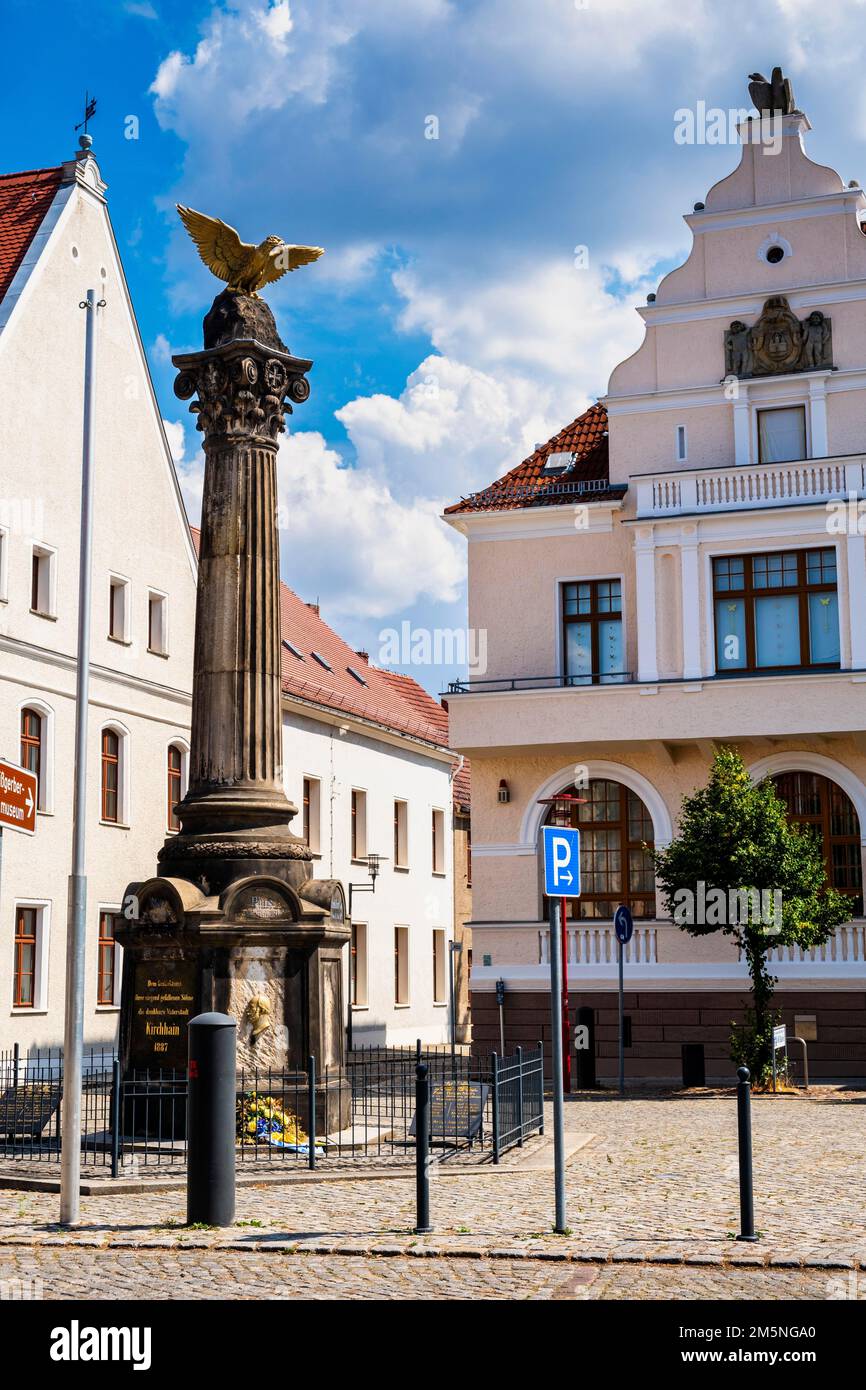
x,y
365,656
314,607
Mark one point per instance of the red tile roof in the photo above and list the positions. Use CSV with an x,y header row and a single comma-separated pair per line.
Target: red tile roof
x,y
24,200
381,698
527,485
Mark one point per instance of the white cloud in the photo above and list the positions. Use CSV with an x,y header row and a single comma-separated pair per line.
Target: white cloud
x,y
190,471
365,553
161,350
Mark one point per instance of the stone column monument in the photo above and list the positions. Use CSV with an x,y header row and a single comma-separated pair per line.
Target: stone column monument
x,y
235,921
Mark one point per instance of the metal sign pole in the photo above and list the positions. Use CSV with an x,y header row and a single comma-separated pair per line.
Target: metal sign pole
x,y
556,1046
73,1031
566,1048
621,1029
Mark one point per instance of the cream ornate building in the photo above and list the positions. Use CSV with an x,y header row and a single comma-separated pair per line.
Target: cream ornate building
x,y
685,566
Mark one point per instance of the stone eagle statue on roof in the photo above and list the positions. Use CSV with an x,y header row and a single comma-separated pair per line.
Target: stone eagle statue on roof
x,y
772,96
245,268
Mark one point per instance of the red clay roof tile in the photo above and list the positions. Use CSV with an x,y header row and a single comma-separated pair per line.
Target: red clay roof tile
x,y
24,200
528,486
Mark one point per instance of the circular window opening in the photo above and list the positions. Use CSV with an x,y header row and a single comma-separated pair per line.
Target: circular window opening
x,y
75,253
776,254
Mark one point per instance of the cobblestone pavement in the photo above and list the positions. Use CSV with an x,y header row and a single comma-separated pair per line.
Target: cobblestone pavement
x,y
657,1183
50,1273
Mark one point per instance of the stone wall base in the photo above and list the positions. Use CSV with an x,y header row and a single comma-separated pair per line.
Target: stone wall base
x,y
662,1022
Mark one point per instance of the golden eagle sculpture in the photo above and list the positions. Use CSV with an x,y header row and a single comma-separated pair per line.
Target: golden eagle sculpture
x,y
244,268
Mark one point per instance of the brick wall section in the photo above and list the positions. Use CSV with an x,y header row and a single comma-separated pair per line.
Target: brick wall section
x,y
662,1022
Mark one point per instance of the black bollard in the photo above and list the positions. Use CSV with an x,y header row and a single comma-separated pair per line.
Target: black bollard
x,y
211,1123
744,1141
422,1151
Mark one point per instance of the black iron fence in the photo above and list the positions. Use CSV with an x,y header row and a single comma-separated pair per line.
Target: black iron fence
x,y
134,1123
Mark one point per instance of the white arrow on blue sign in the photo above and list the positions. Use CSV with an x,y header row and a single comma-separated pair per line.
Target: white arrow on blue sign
x,y
561,861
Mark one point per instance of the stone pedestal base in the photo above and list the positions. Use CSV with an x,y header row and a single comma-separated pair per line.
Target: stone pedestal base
x,y
264,951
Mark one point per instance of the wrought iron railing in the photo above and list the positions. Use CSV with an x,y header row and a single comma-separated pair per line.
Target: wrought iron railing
x,y
502,684
135,1123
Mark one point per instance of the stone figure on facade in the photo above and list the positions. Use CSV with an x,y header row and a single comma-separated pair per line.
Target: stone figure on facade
x,y
779,342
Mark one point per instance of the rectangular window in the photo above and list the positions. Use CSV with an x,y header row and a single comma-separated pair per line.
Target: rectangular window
x,y
26,940
157,630
41,582
782,434
776,612
401,965
359,824
438,842
440,947
359,965
401,835
106,960
681,443
311,816
592,632
118,595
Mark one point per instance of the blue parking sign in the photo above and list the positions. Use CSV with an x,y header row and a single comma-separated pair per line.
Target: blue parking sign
x,y
561,861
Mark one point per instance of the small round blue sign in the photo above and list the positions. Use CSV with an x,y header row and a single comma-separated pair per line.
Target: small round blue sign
x,y
623,924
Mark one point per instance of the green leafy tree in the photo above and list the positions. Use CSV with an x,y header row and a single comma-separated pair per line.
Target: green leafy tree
x,y
734,835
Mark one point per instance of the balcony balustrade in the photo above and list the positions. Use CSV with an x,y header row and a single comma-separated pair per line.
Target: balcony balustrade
x,y
694,491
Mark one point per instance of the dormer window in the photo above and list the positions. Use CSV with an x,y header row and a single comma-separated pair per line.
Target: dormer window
x,y
557,464
290,647
317,656
357,674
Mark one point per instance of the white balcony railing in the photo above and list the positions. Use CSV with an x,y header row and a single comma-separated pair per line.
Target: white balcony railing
x,y
847,946
742,488
597,945
591,945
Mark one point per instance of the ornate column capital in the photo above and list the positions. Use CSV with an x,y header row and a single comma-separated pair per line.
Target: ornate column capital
x,y
244,388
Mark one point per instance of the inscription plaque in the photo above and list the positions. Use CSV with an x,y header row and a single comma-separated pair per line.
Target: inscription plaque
x,y
163,1002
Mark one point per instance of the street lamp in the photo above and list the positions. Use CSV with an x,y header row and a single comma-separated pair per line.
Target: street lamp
x,y
373,862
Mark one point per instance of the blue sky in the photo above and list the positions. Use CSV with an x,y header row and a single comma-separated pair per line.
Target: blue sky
x,y
450,325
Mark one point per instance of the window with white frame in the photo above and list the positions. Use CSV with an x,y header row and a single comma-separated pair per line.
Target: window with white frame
x,y
176,781
114,775
311,813
438,841
30,954
157,624
118,608
36,749
107,962
401,835
359,824
782,434
401,965
42,577
359,993
440,947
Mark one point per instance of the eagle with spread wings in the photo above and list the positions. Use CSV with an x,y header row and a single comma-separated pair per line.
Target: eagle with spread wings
x,y
244,268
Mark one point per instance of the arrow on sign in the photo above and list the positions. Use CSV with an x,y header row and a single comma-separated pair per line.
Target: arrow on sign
x,y
29,802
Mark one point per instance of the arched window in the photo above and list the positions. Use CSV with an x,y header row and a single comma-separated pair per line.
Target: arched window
x,y
110,775
175,779
32,746
616,832
816,801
